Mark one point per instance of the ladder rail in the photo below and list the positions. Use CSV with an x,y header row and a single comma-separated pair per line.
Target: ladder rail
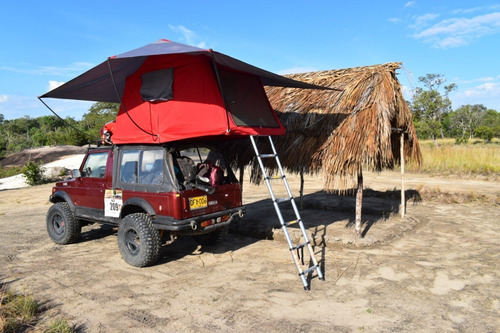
x,y
293,249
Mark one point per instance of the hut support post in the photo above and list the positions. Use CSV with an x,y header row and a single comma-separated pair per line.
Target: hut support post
x,y
359,203
302,188
402,207
242,172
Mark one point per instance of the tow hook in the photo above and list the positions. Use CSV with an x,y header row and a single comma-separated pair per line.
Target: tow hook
x,y
194,226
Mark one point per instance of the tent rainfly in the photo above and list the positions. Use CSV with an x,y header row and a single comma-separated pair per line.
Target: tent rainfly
x,y
170,91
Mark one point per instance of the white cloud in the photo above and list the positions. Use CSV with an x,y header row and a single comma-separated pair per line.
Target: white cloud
x,y
481,79
407,92
394,20
488,89
4,98
487,92
456,32
54,84
70,70
410,4
189,36
423,20
296,69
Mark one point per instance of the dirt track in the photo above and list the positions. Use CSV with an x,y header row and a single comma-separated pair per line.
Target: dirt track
x,y
441,274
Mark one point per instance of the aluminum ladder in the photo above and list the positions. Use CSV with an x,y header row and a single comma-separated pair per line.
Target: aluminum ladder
x,y
294,249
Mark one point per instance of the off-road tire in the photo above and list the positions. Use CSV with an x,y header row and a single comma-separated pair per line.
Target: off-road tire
x,y
62,226
212,238
139,242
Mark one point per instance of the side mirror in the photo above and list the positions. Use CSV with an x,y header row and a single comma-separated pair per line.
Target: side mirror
x,y
75,173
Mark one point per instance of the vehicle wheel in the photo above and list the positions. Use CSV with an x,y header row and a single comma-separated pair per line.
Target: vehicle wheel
x,y
62,226
212,238
139,242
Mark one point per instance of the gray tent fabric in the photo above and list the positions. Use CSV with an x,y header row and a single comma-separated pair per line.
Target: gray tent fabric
x,y
157,85
99,85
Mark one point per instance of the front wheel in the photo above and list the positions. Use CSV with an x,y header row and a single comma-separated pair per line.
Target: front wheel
x,y
139,242
62,226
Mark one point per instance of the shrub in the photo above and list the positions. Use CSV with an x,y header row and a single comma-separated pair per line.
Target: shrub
x,y
34,173
486,133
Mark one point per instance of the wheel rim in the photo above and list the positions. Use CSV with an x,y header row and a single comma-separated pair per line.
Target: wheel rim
x,y
132,242
58,224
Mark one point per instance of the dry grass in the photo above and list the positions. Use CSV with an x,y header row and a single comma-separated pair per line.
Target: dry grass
x,y
475,158
21,313
17,312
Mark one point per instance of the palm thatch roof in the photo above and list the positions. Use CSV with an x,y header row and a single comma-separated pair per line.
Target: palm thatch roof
x,y
341,132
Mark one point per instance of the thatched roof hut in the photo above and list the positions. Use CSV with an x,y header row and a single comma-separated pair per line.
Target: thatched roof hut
x,y
340,132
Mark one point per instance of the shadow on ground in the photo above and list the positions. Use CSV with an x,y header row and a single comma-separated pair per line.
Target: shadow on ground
x,y
327,210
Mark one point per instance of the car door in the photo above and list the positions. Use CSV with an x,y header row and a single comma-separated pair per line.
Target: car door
x,y
93,182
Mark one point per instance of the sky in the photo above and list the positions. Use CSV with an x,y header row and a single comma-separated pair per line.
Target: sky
x,y
46,43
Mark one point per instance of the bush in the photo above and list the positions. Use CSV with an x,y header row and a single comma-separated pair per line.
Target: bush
x,y
34,173
486,133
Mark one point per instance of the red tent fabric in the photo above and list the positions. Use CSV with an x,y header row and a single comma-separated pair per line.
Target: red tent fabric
x,y
170,91
197,108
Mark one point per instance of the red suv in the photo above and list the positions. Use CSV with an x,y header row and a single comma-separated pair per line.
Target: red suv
x,y
152,193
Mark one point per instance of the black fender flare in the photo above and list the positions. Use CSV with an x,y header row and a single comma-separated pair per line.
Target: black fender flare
x,y
140,202
58,195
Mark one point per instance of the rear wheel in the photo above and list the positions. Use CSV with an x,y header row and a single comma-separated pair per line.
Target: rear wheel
x,y
213,238
62,226
139,242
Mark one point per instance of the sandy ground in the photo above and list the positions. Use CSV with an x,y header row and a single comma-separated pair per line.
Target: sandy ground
x,y
435,271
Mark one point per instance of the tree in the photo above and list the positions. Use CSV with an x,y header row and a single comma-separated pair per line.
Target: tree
x,y
429,106
466,119
99,114
491,119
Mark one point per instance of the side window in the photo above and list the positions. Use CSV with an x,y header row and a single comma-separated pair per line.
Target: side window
x,y
142,167
151,170
95,165
128,167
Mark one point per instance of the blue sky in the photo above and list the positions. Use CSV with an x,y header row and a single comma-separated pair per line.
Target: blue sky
x,y
45,43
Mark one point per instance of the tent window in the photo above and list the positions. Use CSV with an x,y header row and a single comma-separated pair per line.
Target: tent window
x,y
246,99
157,86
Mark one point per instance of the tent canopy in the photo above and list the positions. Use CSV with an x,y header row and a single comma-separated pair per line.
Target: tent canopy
x,y
171,91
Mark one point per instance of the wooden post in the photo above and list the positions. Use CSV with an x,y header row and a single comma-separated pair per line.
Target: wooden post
x,y
242,171
402,207
302,187
359,203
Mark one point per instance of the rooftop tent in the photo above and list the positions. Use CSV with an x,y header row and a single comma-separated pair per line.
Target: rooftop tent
x,y
170,91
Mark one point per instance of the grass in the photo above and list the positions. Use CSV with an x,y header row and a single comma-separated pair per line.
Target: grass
x,y
17,312
20,312
448,158
7,172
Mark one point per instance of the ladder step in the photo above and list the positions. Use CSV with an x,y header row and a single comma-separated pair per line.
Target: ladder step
x,y
291,222
299,246
283,199
267,155
310,269
275,177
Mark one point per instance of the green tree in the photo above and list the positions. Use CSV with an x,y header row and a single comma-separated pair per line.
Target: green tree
x,y
466,119
429,106
99,114
491,119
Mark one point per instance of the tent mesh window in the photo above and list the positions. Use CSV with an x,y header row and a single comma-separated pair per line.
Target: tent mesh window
x,y
157,85
246,99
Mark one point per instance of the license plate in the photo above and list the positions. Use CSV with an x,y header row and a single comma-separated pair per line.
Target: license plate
x,y
198,202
